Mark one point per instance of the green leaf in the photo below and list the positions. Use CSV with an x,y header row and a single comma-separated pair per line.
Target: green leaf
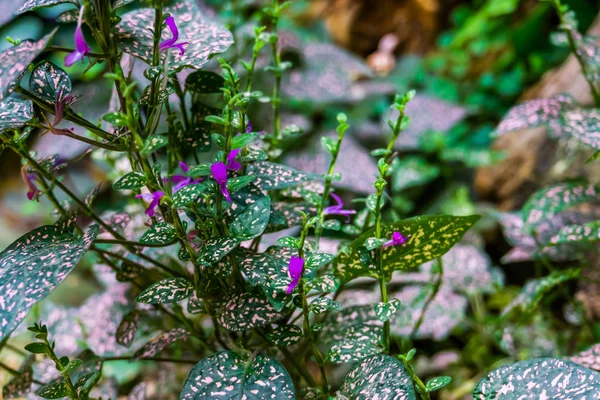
x,y
127,328
583,125
384,311
73,365
56,390
245,311
31,5
153,143
316,260
412,171
329,144
34,265
285,335
271,176
215,249
374,243
539,378
326,283
254,216
288,241
18,58
589,232
47,81
205,37
159,233
116,118
37,348
160,342
437,383
196,305
243,139
227,375
354,343
188,195
15,112
430,237
204,82
200,170
20,385
551,200
332,224
323,304
130,181
378,375
168,290
239,182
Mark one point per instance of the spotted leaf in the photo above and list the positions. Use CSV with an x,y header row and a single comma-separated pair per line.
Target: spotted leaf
x,y
15,112
47,81
551,200
153,143
379,376
285,335
584,125
20,385
127,328
195,305
429,237
226,375
384,311
159,233
204,82
188,194
437,383
160,342
536,113
323,304
589,232
355,343
32,267
205,37
589,358
31,5
130,181
215,249
326,283
168,290
270,176
546,378
245,311
18,58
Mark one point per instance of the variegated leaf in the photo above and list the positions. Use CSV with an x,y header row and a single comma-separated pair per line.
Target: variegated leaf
x,y
19,386
159,233
160,342
245,311
130,181
168,290
583,125
384,311
188,195
127,328
355,342
215,249
153,143
47,81
15,112
31,5
589,232
323,304
271,176
204,82
589,358
32,267
437,383
285,335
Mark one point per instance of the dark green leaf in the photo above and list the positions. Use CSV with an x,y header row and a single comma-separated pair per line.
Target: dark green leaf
x,y
15,112
130,181
47,81
188,195
160,342
116,118
127,328
154,143
168,290
270,176
245,311
285,335
437,383
215,249
31,5
159,233
37,348
384,311
323,304
204,82
56,390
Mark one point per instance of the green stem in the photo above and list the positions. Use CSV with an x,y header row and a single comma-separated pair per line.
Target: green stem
x,y
421,388
436,289
61,368
133,243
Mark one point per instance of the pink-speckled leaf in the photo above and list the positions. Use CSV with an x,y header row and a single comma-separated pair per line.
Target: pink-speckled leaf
x,y
589,358
47,81
536,113
539,378
214,250
227,375
205,37
31,5
583,125
589,232
32,267
168,290
160,233
15,61
271,176
19,386
127,328
551,200
245,311
15,112
285,335
160,342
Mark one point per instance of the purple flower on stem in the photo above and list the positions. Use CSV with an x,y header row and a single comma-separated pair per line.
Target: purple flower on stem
x,y
81,47
153,199
397,239
59,110
181,181
295,272
171,43
338,208
233,165
219,172
33,193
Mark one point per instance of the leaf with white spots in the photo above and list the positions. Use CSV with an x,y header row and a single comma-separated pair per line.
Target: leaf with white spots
x,y
327,283
551,200
127,328
539,378
130,181
380,376
589,358
20,385
34,265
188,195
384,311
214,250
253,220
285,335
271,176
168,290
536,113
153,143
323,304
437,383
15,112
355,342
160,342
583,125
31,5
429,237
15,61
205,37
159,233
47,81
196,305
589,232
204,82
245,311
226,375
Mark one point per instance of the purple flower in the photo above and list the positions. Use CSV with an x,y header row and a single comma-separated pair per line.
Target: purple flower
x,y
153,199
81,47
181,181
219,172
59,110
397,239
338,208
233,165
295,272
29,179
170,43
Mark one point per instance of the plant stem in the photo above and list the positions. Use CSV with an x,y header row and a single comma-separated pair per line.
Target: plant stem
x,y
277,64
61,368
436,289
421,388
133,243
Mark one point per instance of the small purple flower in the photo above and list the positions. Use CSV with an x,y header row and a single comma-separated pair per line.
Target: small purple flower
x,y
170,43
233,165
219,172
397,239
181,181
338,208
81,47
33,193
295,272
153,199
